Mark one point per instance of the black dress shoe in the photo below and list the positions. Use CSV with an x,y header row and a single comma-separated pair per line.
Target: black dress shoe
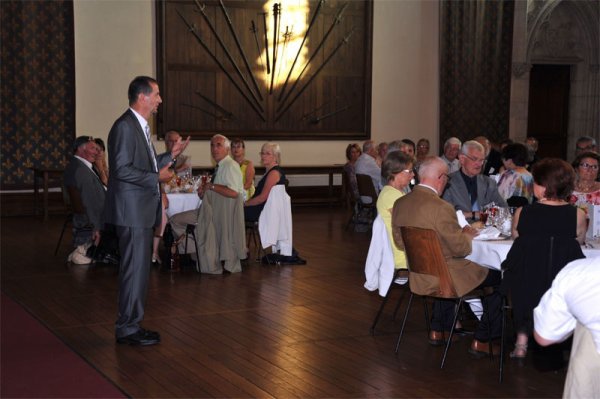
x,y
150,333
140,338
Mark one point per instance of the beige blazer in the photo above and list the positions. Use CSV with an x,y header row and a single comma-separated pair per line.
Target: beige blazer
x,y
425,209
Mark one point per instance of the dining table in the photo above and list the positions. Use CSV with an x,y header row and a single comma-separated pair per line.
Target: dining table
x,y
491,253
181,202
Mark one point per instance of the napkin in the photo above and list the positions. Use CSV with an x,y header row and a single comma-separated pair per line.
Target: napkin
x,y
488,233
462,222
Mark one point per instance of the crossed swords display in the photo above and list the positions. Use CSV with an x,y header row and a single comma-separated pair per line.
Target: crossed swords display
x,y
252,94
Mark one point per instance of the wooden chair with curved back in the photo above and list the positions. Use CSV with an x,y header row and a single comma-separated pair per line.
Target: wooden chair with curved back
x,y
425,257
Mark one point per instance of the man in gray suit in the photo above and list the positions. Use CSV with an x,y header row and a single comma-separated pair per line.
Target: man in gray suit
x,y
133,203
81,179
468,190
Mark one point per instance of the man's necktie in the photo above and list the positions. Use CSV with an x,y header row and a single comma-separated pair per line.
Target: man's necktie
x,y
152,153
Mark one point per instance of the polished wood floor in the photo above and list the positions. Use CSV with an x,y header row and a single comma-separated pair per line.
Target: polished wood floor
x,y
282,332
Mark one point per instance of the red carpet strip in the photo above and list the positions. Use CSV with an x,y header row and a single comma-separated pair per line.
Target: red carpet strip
x,y
36,364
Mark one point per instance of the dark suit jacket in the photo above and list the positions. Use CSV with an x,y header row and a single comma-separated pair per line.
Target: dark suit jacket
x,y
458,195
492,163
425,209
132,199
92,193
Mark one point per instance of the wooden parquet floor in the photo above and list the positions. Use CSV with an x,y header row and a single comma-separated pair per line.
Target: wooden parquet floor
x,y
280,332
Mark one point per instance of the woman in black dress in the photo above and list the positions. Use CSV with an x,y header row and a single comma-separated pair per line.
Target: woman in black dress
x,y
548,234
270,156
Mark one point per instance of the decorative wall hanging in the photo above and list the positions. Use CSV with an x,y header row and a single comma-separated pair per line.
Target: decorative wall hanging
x,y
293,69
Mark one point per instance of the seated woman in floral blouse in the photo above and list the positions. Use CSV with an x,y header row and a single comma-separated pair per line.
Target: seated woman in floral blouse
x,y
516,181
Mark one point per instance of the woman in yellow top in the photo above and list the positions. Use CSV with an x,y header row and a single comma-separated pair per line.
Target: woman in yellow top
x,y
397,171
238,151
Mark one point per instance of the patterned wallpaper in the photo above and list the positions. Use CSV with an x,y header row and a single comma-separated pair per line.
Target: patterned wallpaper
x,y
37,88
476,52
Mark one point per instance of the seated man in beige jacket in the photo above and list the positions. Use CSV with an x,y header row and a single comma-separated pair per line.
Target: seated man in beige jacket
x,y
424,208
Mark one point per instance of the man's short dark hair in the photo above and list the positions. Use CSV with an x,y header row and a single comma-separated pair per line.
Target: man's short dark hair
x,y
517,152
141,84
556,175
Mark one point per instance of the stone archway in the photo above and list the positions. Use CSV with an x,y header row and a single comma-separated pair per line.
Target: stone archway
x,y
558,32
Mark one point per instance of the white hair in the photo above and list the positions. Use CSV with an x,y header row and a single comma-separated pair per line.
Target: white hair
x,y
226,142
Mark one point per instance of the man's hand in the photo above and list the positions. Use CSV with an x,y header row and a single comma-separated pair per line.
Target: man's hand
x,y
470,231
179,147
165,174
96,237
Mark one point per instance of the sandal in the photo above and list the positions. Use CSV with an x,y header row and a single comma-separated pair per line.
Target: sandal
x,y
520,352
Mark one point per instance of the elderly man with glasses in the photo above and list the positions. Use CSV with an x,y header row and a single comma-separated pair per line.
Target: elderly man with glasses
x,y
468,190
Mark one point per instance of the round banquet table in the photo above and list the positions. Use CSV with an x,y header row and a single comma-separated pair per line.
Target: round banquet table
x,y
181,202
491,253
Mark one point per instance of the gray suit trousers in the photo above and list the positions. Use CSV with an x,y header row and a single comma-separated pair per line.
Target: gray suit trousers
x,y
135,244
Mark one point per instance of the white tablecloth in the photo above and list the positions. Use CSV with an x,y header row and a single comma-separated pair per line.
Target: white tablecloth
x,y
182,202
492,253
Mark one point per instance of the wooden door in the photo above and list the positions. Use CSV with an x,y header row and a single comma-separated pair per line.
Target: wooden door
x,y
548,118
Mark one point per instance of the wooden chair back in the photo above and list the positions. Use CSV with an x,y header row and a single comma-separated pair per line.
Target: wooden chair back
x,y
75,200
347,192
366,187
424,255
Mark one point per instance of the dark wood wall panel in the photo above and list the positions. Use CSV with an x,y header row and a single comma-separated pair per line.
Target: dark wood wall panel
x,y
331,100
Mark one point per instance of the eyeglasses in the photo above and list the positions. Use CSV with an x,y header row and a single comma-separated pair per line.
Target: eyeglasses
x,y
408,171
423,146
586,165
476,160
446,175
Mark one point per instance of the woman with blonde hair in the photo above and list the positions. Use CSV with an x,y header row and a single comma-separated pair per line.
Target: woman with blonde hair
x,y
270,157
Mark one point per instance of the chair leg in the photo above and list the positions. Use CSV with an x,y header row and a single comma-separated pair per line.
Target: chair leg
x,y
62,233
427,318
193,232
404,322
385,299
449,342
504,312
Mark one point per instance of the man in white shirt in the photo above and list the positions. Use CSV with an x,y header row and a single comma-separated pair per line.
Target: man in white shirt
x,y
572,304
227,182
366,164
450,156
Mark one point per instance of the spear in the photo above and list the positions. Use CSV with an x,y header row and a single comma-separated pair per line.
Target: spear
x,y
340,44
264,14
275,42
227,53
193,30
254,32
239,47
336,21
310,25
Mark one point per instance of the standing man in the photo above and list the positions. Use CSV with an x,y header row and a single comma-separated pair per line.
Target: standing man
x,y
469,191
133,203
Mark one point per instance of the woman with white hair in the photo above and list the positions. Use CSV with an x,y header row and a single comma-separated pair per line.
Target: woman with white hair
x,y
270,157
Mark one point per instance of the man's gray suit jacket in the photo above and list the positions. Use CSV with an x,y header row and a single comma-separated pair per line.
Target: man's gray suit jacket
x,y
92,193
458,195
133,198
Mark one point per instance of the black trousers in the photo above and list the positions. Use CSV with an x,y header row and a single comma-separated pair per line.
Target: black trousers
x,y
443,311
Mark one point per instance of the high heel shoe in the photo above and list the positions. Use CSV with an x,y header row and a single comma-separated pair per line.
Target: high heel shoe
x,y
156,259
520,352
